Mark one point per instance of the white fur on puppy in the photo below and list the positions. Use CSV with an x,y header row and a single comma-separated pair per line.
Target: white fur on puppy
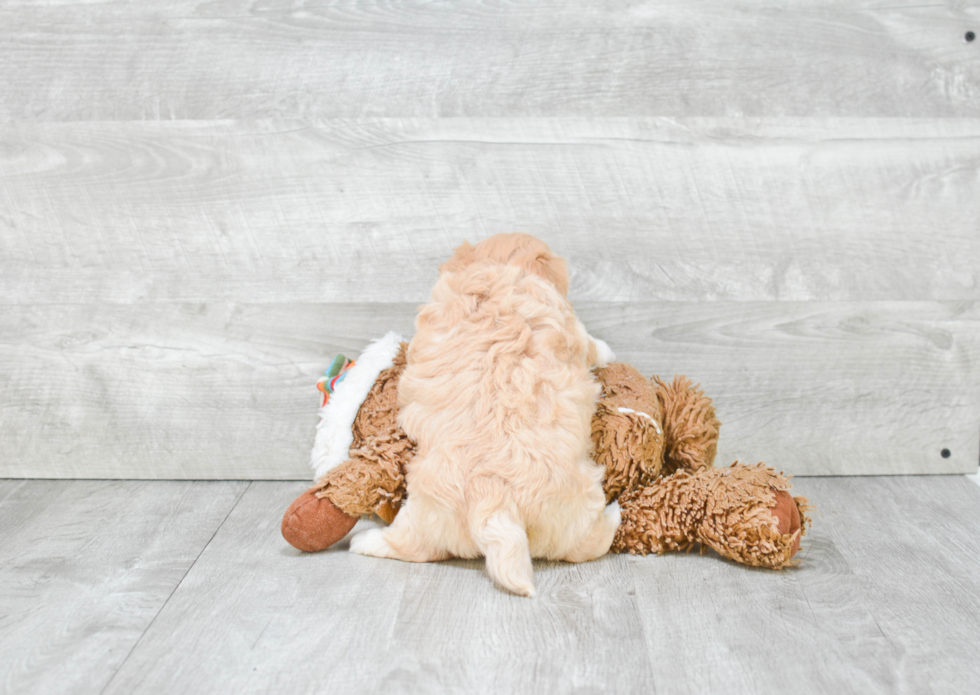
x,y
498,395
606,355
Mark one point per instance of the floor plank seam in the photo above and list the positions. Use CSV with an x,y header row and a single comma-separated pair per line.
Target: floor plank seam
x,y
174,591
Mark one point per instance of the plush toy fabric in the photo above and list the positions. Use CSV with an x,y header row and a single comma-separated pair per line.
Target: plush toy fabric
x,y
744,513
372,480
656,440
627,436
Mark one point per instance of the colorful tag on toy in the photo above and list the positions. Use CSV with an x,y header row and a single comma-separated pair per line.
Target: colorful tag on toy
x,y
333,376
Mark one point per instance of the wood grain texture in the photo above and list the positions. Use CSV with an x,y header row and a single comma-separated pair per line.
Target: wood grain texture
x,y
820,388
913,545
171,390
264,617
873,607
366,210
244,59
85,566
584,634
227,390
805,630
335,621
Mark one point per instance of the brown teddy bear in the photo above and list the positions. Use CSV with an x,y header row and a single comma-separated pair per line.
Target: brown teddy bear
x,y
656,440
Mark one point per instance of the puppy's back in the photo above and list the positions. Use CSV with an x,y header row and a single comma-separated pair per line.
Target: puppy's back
x,y
499,397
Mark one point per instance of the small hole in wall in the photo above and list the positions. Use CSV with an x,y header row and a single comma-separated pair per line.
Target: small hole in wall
x,y
945,453
970,36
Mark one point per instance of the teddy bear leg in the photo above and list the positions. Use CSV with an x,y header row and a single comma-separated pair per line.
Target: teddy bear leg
x,y
657,518
787,517
742,512
750,517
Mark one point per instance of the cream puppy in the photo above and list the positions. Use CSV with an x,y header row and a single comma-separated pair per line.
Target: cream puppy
x,y
499,396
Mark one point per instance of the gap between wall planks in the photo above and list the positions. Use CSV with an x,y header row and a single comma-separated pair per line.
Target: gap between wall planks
x,y
187,59
689,209
227,391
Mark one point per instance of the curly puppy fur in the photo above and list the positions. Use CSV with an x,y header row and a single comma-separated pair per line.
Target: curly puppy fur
x,y
499,397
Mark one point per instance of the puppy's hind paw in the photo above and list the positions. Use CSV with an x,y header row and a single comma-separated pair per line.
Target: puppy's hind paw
x,y
612,514
612,517
371,542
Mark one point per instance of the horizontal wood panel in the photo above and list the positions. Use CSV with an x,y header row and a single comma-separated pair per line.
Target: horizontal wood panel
x,y
171,391
227,390
820,388
357,211
244,59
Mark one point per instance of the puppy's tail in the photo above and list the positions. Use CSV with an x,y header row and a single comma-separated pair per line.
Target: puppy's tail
x,y
496,529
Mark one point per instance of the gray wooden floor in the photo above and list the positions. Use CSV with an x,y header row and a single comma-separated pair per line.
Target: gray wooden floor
x,y
149,586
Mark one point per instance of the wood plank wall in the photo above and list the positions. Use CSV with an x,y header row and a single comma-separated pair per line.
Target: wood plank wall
x,y
201,202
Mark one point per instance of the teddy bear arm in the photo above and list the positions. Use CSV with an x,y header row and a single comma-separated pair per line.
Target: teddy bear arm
x,y
629,447
690,426
372,481
366,483
627,437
